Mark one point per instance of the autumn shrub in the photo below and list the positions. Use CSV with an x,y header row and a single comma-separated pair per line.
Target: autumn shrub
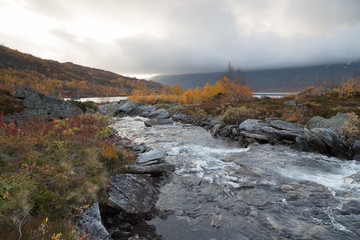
x,y
8,104
235,115
351,125
49,169
84,106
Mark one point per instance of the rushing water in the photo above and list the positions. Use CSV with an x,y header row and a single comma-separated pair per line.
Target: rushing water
x,y
222,191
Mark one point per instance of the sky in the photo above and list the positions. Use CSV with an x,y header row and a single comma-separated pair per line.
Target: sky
x,y
146,37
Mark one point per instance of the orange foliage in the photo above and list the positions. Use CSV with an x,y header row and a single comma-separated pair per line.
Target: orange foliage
x,y
236,91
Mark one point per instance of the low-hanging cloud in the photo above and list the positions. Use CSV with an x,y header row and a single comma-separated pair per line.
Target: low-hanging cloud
x,y
159,36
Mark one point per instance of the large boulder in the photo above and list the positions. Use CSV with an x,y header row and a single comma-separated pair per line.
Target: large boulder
x,y
110,109
91,223
252,125
159,114
152,157
133,195
38,104
327,141
335,123
292,127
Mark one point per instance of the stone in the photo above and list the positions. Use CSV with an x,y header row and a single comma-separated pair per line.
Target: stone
x,y
151,157
154,122
108,109
38,104
335,123
133,195
305,190
315,142
290,103
279,124
90,221
152,169
215,129
258,137
356,147
159,114
252,125
353,179
126,107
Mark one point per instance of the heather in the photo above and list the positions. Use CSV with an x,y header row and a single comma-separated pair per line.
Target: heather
x,y
51,170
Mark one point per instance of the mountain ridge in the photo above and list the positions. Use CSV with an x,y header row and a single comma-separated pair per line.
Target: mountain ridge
x,y
67,79
271,80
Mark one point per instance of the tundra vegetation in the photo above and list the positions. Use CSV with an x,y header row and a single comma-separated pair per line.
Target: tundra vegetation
x,y
50,171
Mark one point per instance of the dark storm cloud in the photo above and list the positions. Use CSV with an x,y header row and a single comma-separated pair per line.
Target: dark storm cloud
x,y
159,36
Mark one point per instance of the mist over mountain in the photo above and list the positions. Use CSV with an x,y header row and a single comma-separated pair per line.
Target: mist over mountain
x,y
271,80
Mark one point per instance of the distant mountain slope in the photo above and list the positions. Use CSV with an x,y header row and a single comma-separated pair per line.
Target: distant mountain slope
x,y
271,80
66,79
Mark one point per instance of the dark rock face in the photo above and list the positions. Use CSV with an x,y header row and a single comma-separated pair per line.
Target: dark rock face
x,y
152,169
38,104
91,223
305,190
154,122
159,114
327,141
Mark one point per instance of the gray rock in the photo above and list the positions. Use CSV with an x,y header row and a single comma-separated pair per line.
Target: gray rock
x,y
134,195
126,107
305,190
327,141
159,114
259,137
353,179
152,169
315,141
109,109
279,124
215,129
90,221
356,147
151,157
290,103
335,123
153,122
252,125
36,103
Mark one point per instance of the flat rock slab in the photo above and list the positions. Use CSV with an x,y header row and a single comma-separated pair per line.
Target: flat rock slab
x,y
132,194
151,157
152,169
159,114
153,122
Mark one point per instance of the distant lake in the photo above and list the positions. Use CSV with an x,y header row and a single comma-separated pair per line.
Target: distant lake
x,y
116,99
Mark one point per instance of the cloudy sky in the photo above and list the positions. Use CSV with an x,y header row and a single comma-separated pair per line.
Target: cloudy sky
x,y
138,37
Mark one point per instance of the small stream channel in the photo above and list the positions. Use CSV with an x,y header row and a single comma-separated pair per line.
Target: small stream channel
x,y
222,191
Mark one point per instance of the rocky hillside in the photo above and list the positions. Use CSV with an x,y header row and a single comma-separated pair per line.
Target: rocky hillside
x,y
63,79
272,80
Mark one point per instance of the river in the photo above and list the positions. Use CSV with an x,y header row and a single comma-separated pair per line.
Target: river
x,y
222,191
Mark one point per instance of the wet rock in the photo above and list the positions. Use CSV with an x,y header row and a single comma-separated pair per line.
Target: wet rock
x,y
350,207
151,157
152,169
182,117
36,103
356,147
261,138
353,179
159,114
134,195
252,125
146,110
110,108
215,129
224,133
327,141
126,107
154,122
90,221
335,123
305,190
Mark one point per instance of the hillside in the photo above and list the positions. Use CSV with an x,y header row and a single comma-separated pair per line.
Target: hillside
x,y
63,79
271,80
